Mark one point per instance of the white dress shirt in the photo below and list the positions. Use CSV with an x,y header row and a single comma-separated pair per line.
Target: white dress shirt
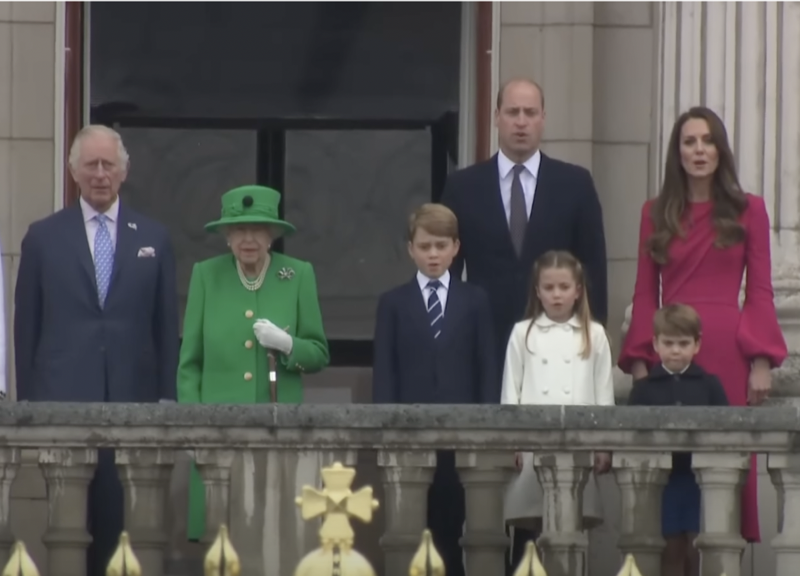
x,y
441,291
528,177
91,224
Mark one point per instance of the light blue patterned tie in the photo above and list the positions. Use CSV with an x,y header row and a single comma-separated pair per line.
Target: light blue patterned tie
x,y
103,257
435,312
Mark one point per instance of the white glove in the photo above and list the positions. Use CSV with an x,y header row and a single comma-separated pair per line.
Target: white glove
x,y
272,337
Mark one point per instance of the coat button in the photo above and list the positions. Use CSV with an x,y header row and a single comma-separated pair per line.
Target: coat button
x,y
248,344
248,314
248,376
544,360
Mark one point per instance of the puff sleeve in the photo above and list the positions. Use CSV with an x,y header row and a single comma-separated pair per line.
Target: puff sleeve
x,y
759,334
638,344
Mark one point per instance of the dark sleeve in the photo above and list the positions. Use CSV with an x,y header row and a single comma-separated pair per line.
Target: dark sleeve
x,y
637,396
27,315
450,199
165,323
716,393
589,246
489,392
384,366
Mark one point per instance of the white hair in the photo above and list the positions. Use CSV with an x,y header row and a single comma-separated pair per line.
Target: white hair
x,y
91,130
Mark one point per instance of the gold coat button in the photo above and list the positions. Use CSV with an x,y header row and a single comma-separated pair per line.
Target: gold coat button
x,y
248,376
248,314
248,344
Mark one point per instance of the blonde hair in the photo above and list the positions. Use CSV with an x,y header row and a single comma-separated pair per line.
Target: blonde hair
x,y
91,130
435,219
677,320
563,260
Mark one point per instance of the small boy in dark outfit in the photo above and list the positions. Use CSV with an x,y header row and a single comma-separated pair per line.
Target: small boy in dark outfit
x,y
678,381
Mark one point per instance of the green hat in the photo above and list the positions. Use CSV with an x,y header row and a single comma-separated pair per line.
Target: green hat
x,y
251,205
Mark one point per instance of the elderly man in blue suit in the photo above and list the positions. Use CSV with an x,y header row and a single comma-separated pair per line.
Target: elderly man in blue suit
x,y
96,312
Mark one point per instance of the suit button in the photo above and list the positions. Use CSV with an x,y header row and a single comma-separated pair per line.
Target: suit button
x,y
248,344
248,314
248,376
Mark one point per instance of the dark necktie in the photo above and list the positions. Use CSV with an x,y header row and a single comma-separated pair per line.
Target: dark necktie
x,y
435,311
518,219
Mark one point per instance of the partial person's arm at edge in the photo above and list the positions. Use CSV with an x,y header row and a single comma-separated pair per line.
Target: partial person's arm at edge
x,y
190,363
385,385
165,323
27,314
309,345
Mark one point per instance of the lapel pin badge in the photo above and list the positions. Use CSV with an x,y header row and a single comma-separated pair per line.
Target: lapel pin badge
x,y
132,225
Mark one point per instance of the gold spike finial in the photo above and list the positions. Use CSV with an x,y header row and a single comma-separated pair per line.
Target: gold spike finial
x,y
336,504
20,562
221,558
530,564
427,561
629,567
124,562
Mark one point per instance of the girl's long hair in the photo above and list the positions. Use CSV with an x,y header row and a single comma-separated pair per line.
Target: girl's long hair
x,y
729,201
565,260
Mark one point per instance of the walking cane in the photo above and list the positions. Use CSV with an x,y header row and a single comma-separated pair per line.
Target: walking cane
x,y
273,378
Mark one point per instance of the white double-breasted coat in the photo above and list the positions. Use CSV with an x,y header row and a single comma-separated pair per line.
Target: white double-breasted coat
x,y
546,367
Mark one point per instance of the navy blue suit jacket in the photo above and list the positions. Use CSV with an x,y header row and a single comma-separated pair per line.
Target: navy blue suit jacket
x,y
566,215
412,367
68,348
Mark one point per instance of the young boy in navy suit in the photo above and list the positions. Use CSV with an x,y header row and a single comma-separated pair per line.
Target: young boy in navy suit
x,y
434,345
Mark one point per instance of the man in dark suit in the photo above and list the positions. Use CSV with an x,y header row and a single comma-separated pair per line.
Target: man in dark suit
x,y
518,205
434,345
96,312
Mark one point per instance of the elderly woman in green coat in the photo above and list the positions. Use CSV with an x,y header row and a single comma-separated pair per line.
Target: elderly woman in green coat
x,y
248,312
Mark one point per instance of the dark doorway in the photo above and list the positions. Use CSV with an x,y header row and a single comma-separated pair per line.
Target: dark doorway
x,y
349,109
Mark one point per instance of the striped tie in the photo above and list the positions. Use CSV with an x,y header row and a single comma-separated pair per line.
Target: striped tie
x,y
435,312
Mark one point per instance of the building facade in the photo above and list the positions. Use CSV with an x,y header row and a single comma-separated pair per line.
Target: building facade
x,y
615,76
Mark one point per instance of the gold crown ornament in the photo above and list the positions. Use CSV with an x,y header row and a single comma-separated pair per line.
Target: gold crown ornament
x,y
221,558
530,565
20,562
336,504
629,567
426,561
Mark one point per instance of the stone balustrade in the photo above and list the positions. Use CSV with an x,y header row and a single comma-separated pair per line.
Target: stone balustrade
x,y
406,438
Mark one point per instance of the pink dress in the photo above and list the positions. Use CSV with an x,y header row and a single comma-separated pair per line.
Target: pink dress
x,y
709,279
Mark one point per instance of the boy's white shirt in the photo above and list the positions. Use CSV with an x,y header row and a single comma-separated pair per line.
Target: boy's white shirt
x,y
550,369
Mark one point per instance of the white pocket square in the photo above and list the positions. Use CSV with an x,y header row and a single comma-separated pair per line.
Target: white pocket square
x,y
146,252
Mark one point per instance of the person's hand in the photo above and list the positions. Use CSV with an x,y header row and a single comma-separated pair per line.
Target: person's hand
x,y
272,337
518,461
759,384
602,462
638,370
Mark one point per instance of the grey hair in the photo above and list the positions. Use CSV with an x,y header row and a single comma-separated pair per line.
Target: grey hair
x,y
90,130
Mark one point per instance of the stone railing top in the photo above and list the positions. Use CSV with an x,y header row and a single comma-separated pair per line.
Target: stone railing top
x,y
351,426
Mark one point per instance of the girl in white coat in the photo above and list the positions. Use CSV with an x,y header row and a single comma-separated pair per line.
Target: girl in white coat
x,y
557,355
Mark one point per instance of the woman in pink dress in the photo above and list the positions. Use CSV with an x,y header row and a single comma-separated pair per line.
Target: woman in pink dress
x,y
698,237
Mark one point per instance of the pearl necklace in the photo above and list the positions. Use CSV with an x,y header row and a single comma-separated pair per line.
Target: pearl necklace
x,y
252,285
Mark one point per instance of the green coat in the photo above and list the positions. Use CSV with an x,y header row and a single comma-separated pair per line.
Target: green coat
x,y
221,362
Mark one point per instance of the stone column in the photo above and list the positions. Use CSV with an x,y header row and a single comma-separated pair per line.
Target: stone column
x,y
720,477
215,467
785,472
9,465
641,478
67,474
144,474
406,478
485,477
564,543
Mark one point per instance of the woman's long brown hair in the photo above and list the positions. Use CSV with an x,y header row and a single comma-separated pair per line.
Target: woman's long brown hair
x,y
729,201
565,260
